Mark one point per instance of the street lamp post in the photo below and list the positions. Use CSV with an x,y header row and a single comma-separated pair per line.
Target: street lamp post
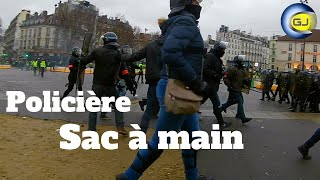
x,y
304,40
303,53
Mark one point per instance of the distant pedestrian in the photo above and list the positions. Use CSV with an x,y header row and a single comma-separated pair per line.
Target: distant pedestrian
x,y
140,73
43,66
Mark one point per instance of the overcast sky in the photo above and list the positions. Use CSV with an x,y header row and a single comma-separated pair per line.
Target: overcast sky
x,y
261,17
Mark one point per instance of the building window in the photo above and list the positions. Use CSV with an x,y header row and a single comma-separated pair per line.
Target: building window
x,y
290,47
33,44
39,31
38,42
302,47
26,34
34,33
273,60
301,57
55,44
289,56
48,32
22,33
30,33
47,44
315,48
314,58
21,44
272,66
29,44
273,46
25,44
289,65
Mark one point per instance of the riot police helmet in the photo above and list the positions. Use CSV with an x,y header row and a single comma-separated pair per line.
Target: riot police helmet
x,y
219,48
126,49
110,38
76,51
239,58
221,45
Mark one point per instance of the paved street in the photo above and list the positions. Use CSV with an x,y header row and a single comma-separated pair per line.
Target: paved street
x,y
270,139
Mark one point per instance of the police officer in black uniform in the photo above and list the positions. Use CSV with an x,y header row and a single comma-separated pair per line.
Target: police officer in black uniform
x,y
108,66
212,74
303,82
75,72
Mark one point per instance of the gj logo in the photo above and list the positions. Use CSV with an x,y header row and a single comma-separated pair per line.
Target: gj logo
x,y
298,20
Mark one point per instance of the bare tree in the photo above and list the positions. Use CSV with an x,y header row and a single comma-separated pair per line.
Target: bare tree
x,y
137,30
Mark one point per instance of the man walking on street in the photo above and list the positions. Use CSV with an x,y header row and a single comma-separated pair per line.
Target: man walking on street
x,y
43,66
151,53
212,74
106,74
235,79
76,75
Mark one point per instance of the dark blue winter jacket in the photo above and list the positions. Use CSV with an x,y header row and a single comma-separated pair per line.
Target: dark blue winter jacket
x,y
183,48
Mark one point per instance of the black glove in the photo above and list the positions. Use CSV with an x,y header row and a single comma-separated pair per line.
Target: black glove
x,y
197,86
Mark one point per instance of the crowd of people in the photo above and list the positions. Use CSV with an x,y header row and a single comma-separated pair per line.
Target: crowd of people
x,y
299,88
179,54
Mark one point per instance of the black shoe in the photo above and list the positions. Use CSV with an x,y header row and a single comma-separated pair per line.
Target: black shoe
x,y
280,102
121,177
141,103
304,152
225,125
261,99
246,120
273,99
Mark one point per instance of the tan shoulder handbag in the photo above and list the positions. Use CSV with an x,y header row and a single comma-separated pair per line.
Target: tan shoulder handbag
x,y
180,100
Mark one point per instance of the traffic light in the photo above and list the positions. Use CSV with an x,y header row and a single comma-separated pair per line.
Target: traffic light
x,y
27,55
5,55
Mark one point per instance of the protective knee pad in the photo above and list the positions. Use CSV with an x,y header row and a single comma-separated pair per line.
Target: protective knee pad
x,y
145,158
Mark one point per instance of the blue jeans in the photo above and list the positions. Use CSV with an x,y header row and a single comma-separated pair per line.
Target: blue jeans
x,y
313,140
152,108
105,91
166,122
235,97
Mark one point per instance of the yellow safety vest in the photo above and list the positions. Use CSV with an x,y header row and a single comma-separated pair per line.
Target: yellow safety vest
x,y
35,63
43,64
